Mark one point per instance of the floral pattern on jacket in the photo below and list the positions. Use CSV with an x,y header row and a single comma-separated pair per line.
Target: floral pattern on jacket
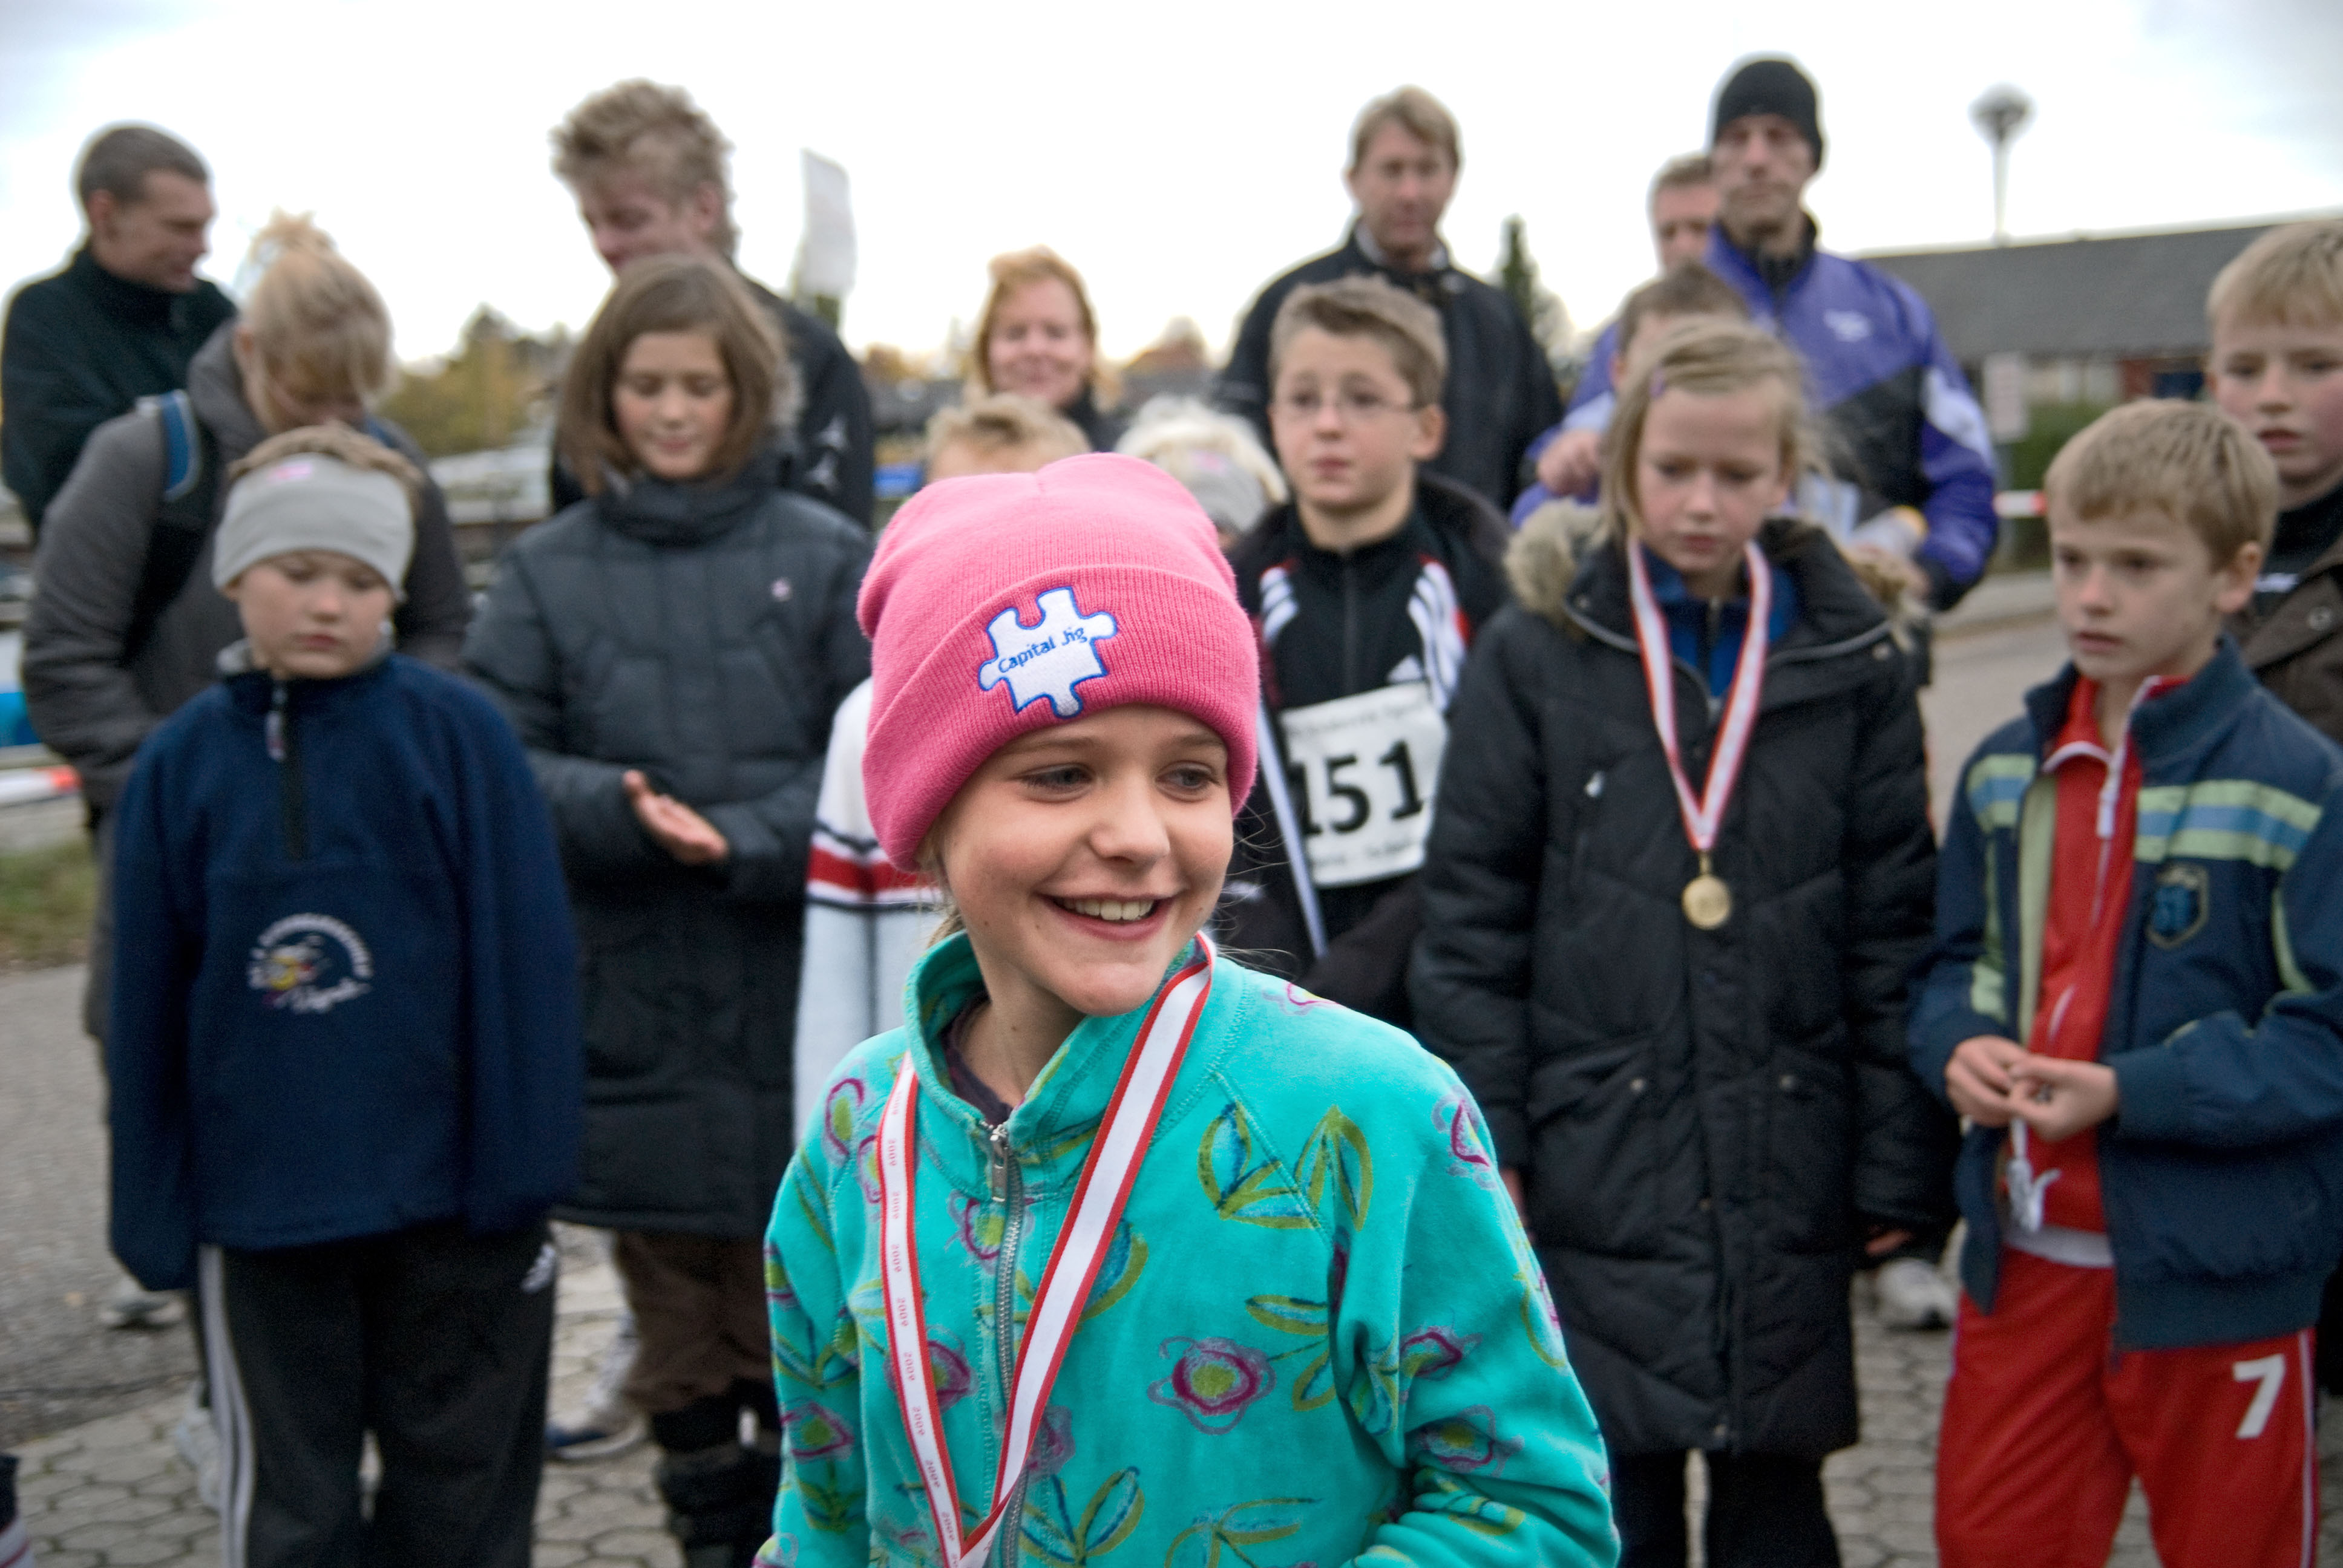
x,y
1318,1337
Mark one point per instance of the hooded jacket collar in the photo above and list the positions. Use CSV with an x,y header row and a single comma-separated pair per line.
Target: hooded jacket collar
x,y
1563,570
666,513
2179,725
1049,1132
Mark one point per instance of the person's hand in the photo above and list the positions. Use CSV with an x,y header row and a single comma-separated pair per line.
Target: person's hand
x,y
1883,1240
1571,461
1511,1177
679,830
1891,576
2058,1098
1979,1078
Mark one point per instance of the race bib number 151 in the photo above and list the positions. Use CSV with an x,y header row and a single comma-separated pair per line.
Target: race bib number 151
x,y
1362,769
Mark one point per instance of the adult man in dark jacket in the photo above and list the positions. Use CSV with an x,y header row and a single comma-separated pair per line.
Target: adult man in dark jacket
x,y
649,169
121,320
1500,392
1915,460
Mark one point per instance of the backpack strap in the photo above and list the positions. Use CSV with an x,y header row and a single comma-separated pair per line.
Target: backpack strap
x,y
183,516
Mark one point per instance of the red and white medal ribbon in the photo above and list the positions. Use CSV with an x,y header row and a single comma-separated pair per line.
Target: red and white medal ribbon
x,y
1116,1150
1704,815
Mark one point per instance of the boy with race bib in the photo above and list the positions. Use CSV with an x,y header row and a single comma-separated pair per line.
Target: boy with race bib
x,y
1681,866
1365,591
1118,1251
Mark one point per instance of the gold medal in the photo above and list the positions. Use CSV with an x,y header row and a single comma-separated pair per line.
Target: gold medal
x,y
1707,901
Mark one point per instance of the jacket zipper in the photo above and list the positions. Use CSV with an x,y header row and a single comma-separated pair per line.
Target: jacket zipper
x,y
1008,1188
285,750
1350,626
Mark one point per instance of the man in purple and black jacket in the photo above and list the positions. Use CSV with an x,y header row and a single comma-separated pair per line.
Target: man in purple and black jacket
x,y
1914,462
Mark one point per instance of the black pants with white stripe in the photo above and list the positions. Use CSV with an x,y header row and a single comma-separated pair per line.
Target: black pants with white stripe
x,y
435,1341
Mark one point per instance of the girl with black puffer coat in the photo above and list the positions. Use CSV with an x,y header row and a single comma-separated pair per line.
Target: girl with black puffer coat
x,y
672,651
1681,866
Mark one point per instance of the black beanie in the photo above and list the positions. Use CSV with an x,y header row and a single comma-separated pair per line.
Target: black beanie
x,y
1769,86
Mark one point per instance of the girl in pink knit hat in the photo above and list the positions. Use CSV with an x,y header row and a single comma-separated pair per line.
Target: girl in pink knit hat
x,y
1119,1249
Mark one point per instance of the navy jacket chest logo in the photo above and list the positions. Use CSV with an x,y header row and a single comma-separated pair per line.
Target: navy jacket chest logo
x,y
2181,903
309,963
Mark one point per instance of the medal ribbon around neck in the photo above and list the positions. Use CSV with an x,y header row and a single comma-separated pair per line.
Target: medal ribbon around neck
x,y
1116,1150
1703,816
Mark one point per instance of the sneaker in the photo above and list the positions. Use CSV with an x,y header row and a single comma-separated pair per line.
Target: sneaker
x,y
197,1443
605,1424
133,1306
1913,1295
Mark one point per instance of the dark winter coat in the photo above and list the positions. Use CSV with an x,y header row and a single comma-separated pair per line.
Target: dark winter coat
x,y
704,634
1343,625
1704,1121
2295,646
356,1007
1099,428
828,457
1500,392
80,347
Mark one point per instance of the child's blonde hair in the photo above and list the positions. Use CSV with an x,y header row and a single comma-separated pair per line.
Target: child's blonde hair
x,y
1710,357
1004,422
1368,308
314,314
2187,460
653,131
674,294
2291,277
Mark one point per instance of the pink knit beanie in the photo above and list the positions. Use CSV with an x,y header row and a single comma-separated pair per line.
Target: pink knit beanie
x,y
1003,602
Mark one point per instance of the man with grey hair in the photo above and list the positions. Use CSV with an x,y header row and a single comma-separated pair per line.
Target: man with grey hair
x,y
1500,392
120,321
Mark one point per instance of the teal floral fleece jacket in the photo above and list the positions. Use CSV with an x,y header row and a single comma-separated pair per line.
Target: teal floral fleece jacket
x,y
1319,1335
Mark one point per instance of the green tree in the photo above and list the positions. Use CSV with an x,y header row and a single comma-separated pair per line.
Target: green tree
x,y
1517,275
496,384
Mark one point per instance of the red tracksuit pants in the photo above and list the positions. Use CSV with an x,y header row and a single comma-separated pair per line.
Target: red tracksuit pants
x,y
2045,1422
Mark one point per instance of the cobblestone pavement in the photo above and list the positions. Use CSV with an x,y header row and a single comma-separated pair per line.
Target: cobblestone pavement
x,y
113,1493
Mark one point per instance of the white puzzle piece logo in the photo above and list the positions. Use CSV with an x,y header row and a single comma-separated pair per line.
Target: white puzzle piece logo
x,y
1048,659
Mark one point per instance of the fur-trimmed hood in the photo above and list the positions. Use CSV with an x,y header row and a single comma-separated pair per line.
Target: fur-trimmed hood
x,y
1563,542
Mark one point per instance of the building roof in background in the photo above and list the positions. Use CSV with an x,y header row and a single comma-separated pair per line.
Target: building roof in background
x,y
2135,296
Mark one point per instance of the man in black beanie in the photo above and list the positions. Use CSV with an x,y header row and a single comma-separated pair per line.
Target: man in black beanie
x,y
1914,475
1768,125
1915,463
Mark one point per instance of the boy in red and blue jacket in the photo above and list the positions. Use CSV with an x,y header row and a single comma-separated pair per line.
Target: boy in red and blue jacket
x,y
2136,1001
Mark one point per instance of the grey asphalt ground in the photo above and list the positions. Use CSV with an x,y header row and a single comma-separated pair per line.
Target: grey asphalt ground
x,y
90,1410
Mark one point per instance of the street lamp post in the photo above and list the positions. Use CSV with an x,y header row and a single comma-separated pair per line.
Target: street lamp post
x,y
2000,114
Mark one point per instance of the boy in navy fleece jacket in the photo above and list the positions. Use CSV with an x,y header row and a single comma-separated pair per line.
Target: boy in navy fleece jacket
x,y
346,1081
2136,1001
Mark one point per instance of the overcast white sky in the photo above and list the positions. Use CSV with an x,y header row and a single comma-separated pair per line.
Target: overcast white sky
x,y
1179,154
